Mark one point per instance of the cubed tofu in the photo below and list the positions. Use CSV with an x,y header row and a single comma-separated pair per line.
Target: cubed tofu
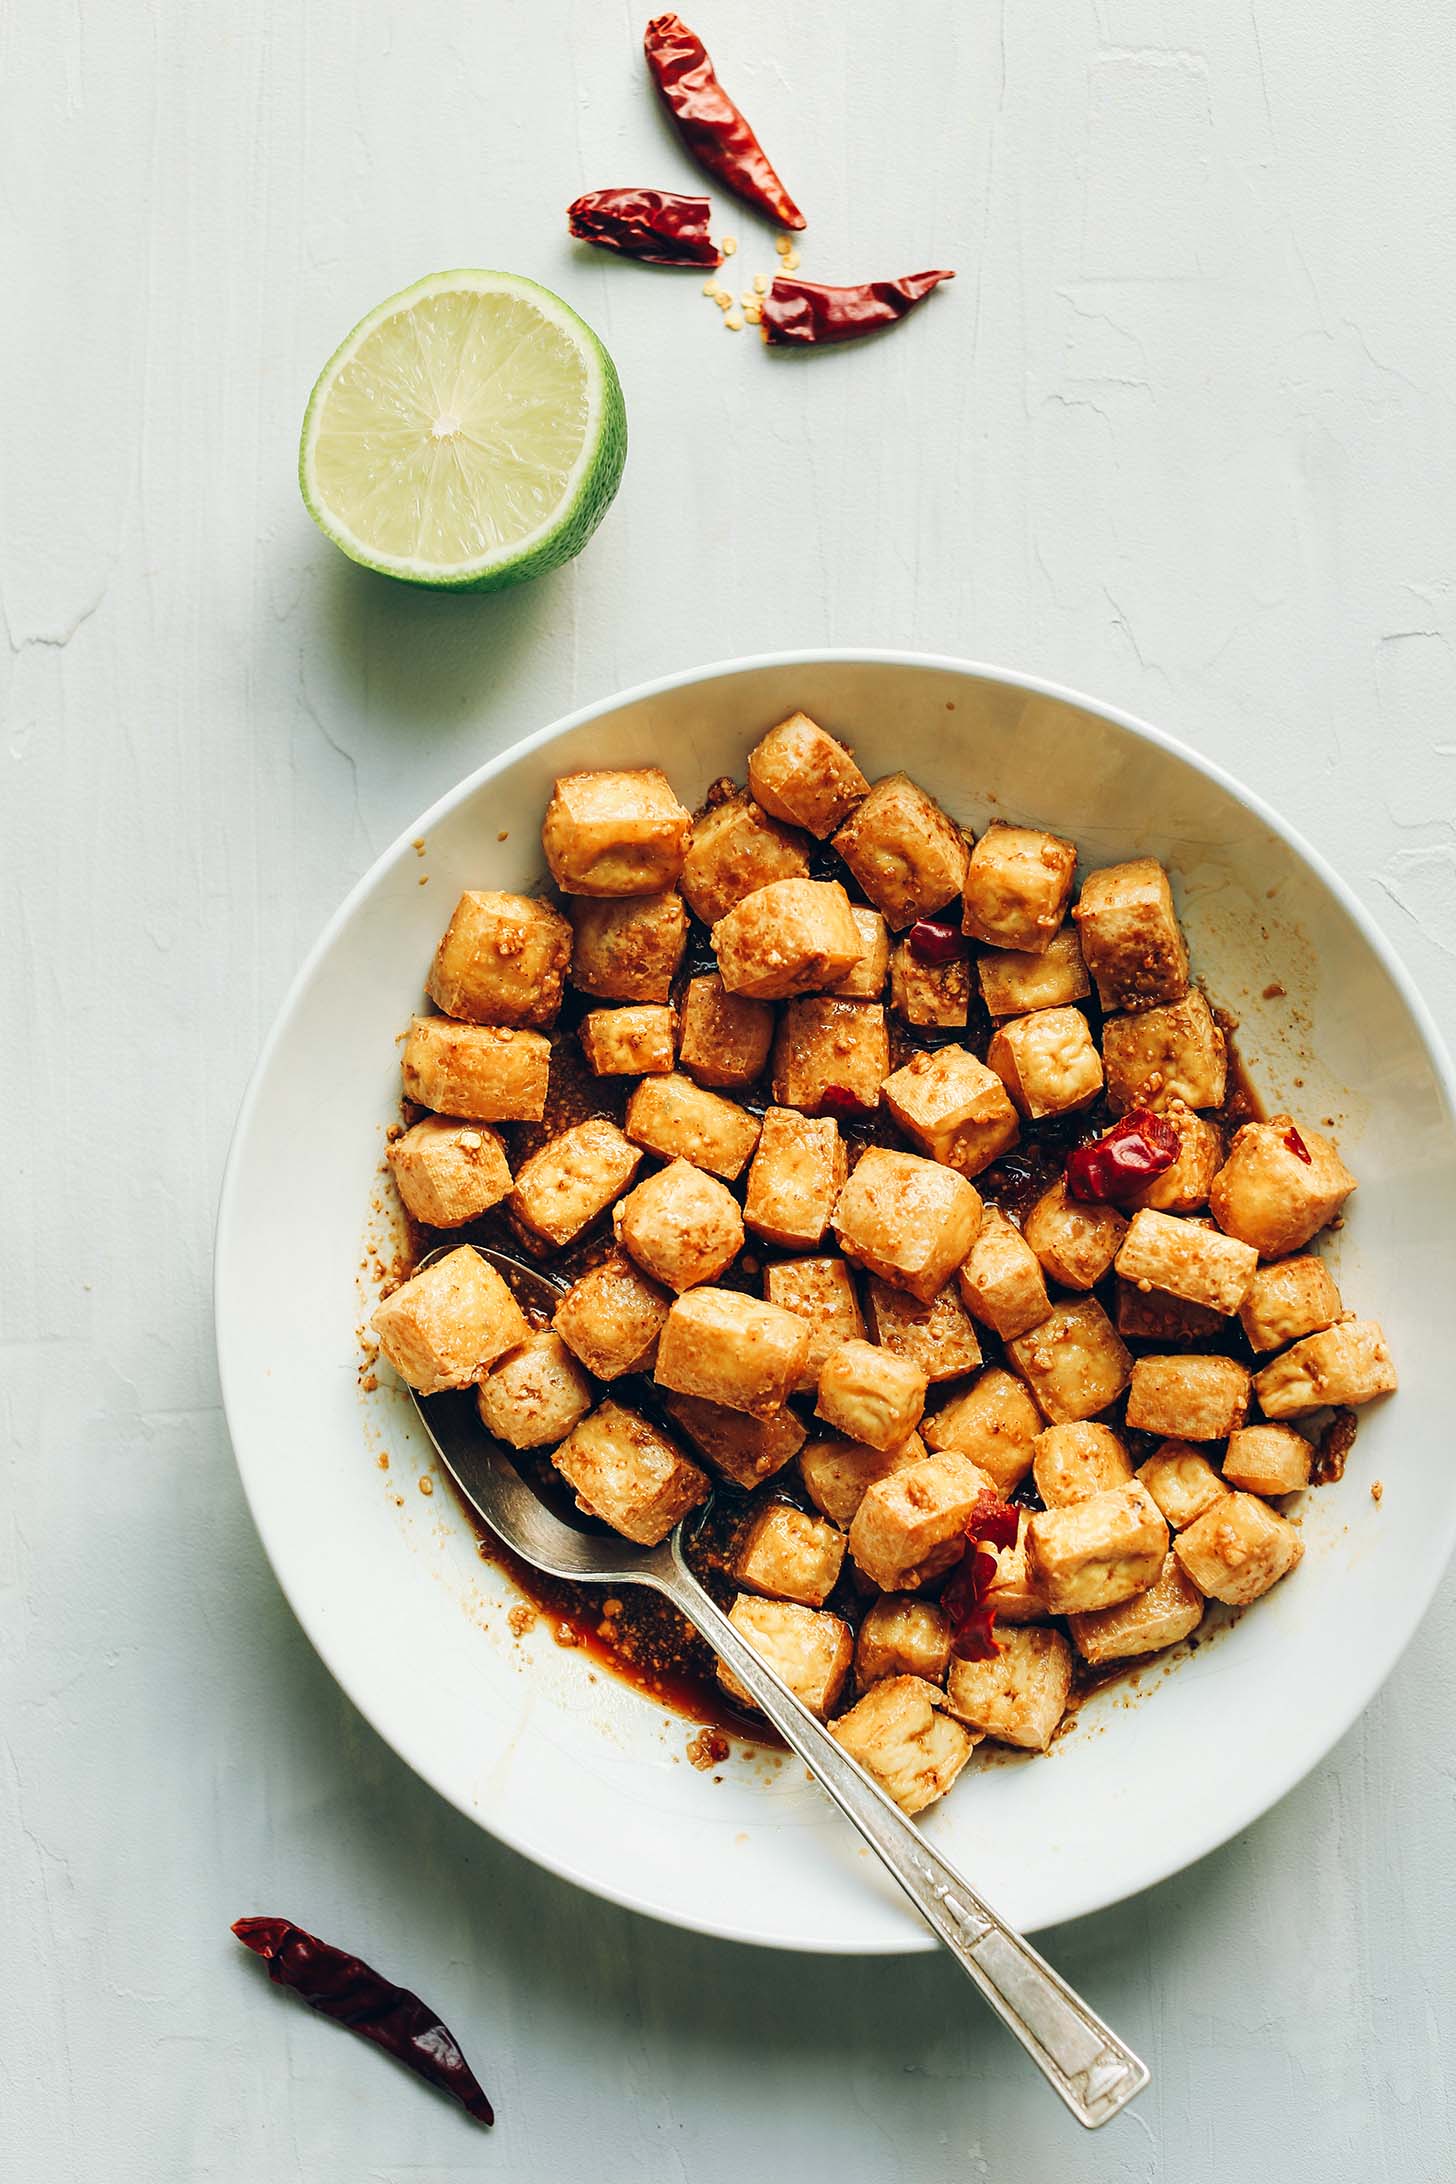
x,y
798,1172
1048,1062
1188,1398
1017,887
446,1326
810,1650
1018,982
1237,1549
789,1555
1176,1052
611,1318
791,937
1131,939
737,848
937,1337
629,1042
900,1735
831,1053
1170,1610
501,960
1185,1259
628,1473
1182,1482
1018,1696
1184,1187
482,1072
1075,1363
1293,1297
1279,1186
680,1120
910,1525
931,996
909,858
680,1226
799,773
628,949
1075,1242
1347,1363
1072,1463
725,1036
870,1395
739,1351
1013,1595
535,1394
1095,1553
954,1108
615,833
822,1292
866,981
746,1450
901,1636
1148,1315
838,1474
994,1423
449,1172
1001,1279
1267,1460
908,1220
576,1176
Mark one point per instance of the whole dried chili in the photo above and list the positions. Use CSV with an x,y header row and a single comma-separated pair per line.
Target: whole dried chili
x,y
935,940
1132,1153
992,1524
656,226
341,1987
806,314
709,123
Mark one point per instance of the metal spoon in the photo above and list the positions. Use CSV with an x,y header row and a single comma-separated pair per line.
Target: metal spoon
x,y
1095,2073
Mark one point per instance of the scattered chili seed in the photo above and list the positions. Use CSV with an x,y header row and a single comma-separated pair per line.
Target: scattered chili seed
x,y
709,123
805,313
760,284
657,226
710,288
729,245
733,323
791,261
783,244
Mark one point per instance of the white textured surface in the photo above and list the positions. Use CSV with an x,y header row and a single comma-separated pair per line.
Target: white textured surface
x,y
1180,435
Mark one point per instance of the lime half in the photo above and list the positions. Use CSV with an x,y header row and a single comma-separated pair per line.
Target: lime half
x,y
470,433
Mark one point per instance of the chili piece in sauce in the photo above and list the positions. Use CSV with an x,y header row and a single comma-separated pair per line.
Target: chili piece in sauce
x,y
935,940
992,1524
657,226
709,123
1143,1145
806,314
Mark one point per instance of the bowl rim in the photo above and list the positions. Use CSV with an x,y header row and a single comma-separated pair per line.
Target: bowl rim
x,y
1300,1758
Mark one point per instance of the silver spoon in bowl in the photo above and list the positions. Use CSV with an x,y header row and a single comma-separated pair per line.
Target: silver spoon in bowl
x,y
1094,2071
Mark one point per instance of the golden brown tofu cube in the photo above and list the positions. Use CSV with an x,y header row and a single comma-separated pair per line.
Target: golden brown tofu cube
x,y
909,858
870,1395
1188,1398
1075,1363
800,774
994,1423
1279,1186
1013,1595
1148,1315
1182,1482
725,1036
449,1172
822,1292
932,996
1072,1463
791,937
830,1053
1020,1695
1347,1363
1094,1553
1267,1460
501,960
628,1473
737,848
866,981
937,1337
1170,1610
628,949
1018,982
910,1525
611,1318
1075,1242
1017,887
573,1178
1293,1297
1176,1052
680,1225
954,1108
746,1450
901,1737
535,1394
1185,1259
798,1171
629,1042
446,1326
1001,1279
1237,1549
789,1555
680,1120
1048,1062
1131,939
810,1650
1184,1187
483,1072
908,1220
901,1636
615,833
838,1474
735,1350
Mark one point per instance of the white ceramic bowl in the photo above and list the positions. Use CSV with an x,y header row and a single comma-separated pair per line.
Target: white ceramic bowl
x,y
571,1766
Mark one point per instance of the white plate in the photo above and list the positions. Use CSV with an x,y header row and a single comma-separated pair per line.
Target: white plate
x,y
574,1768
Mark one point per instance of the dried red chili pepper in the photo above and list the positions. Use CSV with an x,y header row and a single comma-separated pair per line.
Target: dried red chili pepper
x,y
1297,1145
341,1987
1141,1146
837,1099
992,1524
935,940
709,123
806,314
656,226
